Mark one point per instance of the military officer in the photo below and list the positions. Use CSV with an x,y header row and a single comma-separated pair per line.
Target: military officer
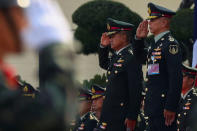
x,y
188,95
85,103
164,77
124,78
91,119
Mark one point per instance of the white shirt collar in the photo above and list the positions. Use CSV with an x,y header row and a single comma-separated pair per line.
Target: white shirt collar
x,y
184,96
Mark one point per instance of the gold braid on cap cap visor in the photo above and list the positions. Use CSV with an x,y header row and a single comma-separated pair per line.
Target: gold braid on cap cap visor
x,y
151,17
111,33
96,96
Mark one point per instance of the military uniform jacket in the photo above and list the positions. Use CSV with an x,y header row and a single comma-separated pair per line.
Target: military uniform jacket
x,y
124,86
164,77
185,106
87,123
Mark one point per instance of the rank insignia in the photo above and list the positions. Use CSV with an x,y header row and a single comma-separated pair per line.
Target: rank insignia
x,y
157,49
120,61
173,49
117,65
108,26
103,125
130,51
81,127
170,38
156,53
186,108
157,57
187,104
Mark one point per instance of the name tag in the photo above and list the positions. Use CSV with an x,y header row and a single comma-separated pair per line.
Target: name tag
x,y
153,69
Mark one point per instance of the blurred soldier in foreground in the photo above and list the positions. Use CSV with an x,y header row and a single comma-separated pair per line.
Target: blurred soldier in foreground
x,y
164,77
47,111
91,119
124,78
11,24
188,97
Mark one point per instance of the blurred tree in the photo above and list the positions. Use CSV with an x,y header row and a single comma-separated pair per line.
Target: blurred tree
x,y
97,79
182,25
91,20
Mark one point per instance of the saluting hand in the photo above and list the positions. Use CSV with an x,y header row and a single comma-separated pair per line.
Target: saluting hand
x,y
105,40
142,30
130,124
169,117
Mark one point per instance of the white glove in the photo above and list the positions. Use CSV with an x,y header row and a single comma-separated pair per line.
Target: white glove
x,y
194,61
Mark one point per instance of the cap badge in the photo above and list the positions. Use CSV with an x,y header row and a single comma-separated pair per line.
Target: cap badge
x,y
108,26
93,90
149,10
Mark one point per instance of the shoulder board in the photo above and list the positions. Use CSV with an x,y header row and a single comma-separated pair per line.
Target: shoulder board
x,y
93,117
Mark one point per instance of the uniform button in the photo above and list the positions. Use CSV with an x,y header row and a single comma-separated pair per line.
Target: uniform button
x,y
116,72
162,95
107,80
121,104
178,129
178,122
146,123
146,89
185,113
179,115
108,72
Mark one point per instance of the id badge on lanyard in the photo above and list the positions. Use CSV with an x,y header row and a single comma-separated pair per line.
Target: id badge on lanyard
x,y
153,69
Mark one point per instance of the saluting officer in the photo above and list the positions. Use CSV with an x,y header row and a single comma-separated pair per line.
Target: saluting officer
x,y
188,96
164,77
92,118
124,78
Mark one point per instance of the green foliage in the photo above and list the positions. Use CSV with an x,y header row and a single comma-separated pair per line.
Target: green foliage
x,y
182,25
91,20
98,79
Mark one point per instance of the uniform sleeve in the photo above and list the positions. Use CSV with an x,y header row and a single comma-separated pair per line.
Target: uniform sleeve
x,y
103,57
140,50
173,59
135,78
